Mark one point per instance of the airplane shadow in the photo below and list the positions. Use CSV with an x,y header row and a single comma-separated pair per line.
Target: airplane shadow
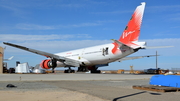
x,y
115,99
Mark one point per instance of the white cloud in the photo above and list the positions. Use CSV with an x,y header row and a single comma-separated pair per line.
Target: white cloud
x,y
113,12
46,43
71,5
173,51
33,27
164,8
176,18
166,41
14,8
56,43
25,26
176,27
21,37
35,38
55,46
84,24
60,46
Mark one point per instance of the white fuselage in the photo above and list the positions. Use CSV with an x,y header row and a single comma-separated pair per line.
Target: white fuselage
x,y
96,55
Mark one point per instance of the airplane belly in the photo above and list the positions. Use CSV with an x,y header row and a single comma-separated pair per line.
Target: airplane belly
x,y
99,60
96,59
60,64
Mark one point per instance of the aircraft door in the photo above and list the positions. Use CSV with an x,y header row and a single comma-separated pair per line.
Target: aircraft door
x,y
105,51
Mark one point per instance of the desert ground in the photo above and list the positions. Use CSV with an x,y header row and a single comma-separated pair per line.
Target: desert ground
x,y
79,87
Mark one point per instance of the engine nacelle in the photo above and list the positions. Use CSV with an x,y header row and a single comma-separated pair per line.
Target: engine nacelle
x,y
47,64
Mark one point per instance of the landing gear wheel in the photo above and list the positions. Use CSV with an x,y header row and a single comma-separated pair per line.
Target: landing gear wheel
x,y
82,69
95,71
65,71
69,71
53,70
72,71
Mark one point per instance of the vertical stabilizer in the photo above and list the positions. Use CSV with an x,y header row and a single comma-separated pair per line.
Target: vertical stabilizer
x,y
131,33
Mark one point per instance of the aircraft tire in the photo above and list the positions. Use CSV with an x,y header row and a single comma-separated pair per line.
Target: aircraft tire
x,y
69,71
72,71
66,71
95,71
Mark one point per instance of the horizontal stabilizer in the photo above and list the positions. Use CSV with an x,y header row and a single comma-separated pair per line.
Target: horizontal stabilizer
x,y
157,47
135,57
135,46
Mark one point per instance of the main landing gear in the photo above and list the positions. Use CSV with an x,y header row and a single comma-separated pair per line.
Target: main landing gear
x,y
53,70
82,69
69,70
93,69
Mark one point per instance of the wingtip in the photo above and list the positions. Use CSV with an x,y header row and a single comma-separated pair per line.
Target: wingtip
x,y
143,3
4,42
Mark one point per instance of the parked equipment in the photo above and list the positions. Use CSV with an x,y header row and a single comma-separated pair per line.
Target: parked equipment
x,y
22,68
165,80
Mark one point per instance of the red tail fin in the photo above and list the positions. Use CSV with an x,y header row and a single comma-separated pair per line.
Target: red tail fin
x,y
132,30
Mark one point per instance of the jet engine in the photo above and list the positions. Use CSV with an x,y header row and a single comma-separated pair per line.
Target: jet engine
x,y
48,63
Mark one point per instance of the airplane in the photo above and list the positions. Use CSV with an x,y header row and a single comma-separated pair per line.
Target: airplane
x,y
8,58
97,56
2,53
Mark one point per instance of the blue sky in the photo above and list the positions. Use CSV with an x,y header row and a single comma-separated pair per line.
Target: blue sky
x,y
60,25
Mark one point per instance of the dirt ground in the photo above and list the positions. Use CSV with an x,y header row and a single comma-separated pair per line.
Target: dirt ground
x,y
41,91
46,96
85,90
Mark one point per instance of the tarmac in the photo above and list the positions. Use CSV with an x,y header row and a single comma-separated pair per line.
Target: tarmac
x,y
79,87
73,76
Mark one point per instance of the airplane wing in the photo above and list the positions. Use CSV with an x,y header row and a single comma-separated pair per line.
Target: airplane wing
x,y
143,47
67,61
8,58
134,57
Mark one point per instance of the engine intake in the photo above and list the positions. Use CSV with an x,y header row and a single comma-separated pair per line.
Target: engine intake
x,y
47,64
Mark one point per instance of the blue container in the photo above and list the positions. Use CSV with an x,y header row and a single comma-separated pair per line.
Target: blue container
x,y
165,80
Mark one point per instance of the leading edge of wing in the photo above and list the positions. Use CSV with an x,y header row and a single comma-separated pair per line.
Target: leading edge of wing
x,y
48,55
67,61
